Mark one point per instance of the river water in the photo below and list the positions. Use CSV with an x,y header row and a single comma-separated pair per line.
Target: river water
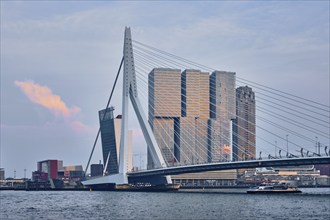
x,y
208,204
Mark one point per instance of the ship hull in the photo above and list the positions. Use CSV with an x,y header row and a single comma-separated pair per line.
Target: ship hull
x,y
128,187
272,191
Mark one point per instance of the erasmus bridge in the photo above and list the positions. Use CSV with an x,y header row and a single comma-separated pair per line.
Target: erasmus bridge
x,y
279,114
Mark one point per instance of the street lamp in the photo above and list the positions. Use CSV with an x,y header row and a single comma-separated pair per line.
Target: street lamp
x,y
287,144
275,148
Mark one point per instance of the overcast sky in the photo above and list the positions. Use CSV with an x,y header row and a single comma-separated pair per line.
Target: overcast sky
x,y
59,60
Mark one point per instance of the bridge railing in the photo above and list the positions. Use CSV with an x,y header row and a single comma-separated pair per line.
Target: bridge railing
x,y
269,157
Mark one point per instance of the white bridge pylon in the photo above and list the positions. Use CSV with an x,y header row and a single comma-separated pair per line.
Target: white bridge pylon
x,y
130,92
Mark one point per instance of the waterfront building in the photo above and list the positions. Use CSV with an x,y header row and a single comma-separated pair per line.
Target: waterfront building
x,y
39,176
190,114
110,138
96,170
178,114
2,173
73,172
304,175
50,167
205,179
194,116
195,94
324,169
222,111
164,110
244,125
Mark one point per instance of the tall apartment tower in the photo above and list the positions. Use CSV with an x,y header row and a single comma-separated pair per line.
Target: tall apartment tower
x,y
164,111
110,137
108,140
194,116
178,114
222,111
244,126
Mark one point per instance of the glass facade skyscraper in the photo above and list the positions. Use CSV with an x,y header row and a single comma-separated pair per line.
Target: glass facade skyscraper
x,y
108,140
110,137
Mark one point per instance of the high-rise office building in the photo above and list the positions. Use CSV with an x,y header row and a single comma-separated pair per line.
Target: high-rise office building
x,y
110,137
222,111
194,116
164,93
244,126
195,94
164,109
108,140
178,114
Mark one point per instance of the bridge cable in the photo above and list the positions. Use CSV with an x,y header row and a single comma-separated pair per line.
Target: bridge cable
x,y
179,100
206,67
98,133
176,63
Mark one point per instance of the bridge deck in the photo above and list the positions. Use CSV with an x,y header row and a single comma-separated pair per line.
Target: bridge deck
x,y
231,165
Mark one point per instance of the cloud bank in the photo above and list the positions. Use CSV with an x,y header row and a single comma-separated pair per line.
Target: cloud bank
x,y
44,96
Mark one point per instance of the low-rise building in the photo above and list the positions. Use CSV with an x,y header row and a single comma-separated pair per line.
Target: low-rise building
x,y
210,178
302,175
2,173
96,170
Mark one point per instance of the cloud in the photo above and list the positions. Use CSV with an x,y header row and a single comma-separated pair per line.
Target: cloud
x,y
80,127
43,96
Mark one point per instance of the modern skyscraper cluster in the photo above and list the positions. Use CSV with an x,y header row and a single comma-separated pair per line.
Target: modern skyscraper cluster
x,y
191,113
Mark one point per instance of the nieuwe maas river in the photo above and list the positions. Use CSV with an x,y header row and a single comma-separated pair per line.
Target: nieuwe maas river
x,y
209,204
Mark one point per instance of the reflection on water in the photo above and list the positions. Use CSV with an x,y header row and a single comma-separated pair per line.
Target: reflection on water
x,y
185,204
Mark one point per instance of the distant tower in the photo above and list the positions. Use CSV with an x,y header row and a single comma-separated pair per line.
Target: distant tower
x,y
110,136
117,122
2,173
244,126
96,170
222,111
108,140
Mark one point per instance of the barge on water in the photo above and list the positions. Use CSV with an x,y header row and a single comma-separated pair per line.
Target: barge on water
x,y
130,187
274,188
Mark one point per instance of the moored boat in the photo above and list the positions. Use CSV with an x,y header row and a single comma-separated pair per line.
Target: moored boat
x,y
274,188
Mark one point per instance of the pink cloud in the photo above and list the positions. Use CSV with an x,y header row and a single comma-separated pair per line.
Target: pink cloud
x,y
44,96
79,127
